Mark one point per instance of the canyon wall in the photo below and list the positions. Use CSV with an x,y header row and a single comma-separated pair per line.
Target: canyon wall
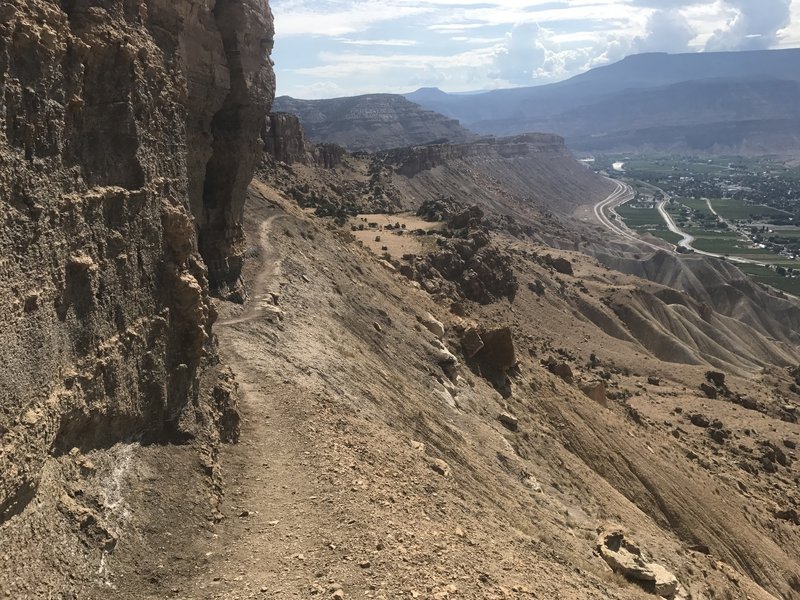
x,y
285,141
128,135
372,122
416,159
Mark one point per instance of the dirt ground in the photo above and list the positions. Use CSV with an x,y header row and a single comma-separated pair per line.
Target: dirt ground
x,y
364,472
395,235
373,461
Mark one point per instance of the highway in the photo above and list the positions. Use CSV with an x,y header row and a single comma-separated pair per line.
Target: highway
x,y
687,240
622,193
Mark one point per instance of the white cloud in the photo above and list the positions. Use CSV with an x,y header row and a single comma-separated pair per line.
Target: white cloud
x,y
337,65
354,46
527,54
755,25
667,31
338,19
397,43
455,27
789,37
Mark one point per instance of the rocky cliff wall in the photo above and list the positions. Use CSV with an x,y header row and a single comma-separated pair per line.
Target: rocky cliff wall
x,y
372,122
416,159
128,134
285,141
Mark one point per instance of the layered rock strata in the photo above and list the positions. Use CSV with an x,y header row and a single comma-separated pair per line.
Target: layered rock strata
x,y
372,122
285,141
128,135
416,159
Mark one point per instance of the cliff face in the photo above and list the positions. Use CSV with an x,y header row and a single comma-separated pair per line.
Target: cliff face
x,y
128,135
285,141
372,122
414,160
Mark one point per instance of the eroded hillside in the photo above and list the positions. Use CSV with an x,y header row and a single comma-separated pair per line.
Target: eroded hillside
x,y
372,122
403,437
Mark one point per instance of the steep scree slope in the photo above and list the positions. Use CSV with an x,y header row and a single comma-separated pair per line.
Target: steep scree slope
x,y
128,132
381,460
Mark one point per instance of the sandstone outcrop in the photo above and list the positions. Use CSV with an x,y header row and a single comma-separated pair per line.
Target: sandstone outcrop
x,y
432,324
596,390
626,558
129,135
285,141
477,270
498,349
559,368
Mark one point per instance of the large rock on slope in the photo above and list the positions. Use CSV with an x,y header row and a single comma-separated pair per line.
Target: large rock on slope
x,y
128,134
626,558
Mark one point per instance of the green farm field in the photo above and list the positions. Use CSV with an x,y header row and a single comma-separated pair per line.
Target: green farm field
x,y
647,220
767,276
736,210
639,217
698,204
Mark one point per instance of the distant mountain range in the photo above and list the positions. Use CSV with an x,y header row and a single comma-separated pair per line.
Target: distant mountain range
x,y
738,102
372,122
715,103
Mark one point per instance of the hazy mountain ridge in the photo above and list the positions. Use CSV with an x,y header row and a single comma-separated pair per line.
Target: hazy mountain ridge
x,y
646,101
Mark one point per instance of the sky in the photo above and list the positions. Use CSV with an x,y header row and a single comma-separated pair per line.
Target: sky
x,y
330,48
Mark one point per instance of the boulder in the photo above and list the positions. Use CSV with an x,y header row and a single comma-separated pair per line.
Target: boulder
x,y
789,514
536,286
652,380
596,390
445,359
471,342
709,390
626,558
560,265
699,420
562,370
665,583
715,377
433,325
469,217
498,349
509,421
441,467
719,435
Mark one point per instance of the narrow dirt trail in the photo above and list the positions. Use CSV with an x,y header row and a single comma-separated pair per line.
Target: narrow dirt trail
x,y
354,478
274,518
261,300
